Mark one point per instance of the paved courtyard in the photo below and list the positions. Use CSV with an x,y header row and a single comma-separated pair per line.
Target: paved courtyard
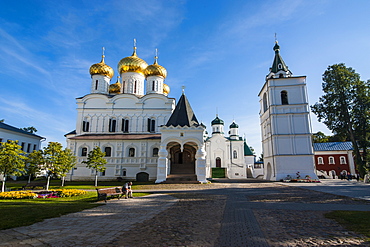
x,y
224,213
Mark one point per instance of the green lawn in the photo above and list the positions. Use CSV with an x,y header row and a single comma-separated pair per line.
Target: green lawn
x,y
16,213
25,212
357,221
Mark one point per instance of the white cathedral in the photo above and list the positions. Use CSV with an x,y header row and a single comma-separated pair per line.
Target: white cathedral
x,y
146,136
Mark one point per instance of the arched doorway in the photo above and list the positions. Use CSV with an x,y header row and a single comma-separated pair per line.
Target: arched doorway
x,y
218,162
142,177
269,171
182,162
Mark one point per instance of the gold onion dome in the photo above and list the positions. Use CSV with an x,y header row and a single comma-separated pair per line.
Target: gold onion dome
x,y
155,69
101,69
115,88
166,89
132,64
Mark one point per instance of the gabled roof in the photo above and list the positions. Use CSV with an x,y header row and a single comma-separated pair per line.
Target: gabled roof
x,y
14,129
332,146
183,115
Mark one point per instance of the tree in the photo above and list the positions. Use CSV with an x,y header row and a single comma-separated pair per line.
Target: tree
x,y
31,129
345,110
319,137
35,160
52,156
66,161
12,160
96,161
2,120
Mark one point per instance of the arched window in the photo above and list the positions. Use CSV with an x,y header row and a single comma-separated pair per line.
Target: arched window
x,y
85,125
135,87
264,99
83,152
155,152
218,162
320,161
151,125
235,154
96,84
123,86
331,160
112,125
153,86
125,124
108,151
131,152
284,97
343,160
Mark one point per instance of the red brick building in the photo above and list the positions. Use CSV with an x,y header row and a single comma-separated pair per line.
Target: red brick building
x,y
332,158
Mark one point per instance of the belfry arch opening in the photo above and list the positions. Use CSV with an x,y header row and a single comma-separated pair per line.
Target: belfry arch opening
x,y
182,161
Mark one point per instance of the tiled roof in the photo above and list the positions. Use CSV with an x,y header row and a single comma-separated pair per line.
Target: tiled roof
x,y
14,129
332,146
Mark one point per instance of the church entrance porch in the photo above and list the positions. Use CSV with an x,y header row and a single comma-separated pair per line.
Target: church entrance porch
x,y
182,163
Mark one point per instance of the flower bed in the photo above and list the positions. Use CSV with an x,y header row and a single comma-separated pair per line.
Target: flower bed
x,y
301,181
25,194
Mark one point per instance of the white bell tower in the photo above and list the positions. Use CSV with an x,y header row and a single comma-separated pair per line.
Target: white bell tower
x,y
285,124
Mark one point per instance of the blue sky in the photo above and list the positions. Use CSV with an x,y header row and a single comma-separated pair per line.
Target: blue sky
x,y
220,50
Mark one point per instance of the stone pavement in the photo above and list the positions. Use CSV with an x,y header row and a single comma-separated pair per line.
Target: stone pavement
x,y
347,188
91,227
256,213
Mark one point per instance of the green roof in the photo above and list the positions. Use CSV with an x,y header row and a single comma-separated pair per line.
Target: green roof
x,y
234,126
278,64
247,150
217,121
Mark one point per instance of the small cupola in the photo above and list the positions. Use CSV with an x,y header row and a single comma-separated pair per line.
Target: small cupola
x,y
217,126
101,75
234,131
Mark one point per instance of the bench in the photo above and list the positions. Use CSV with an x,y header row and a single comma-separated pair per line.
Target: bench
x,y
34,185
104,193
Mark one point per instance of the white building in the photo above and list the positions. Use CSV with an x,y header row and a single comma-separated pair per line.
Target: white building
x,y
145,135
26,140
285,123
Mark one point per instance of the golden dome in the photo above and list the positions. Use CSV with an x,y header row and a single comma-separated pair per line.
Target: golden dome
x,y
155,69
115,88
132,64
101,69
166,89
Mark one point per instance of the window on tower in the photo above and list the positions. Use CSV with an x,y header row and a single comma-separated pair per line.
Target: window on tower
x,y
151,125
284,97
153,85
264,100
125,124
96,84
235,154
85,125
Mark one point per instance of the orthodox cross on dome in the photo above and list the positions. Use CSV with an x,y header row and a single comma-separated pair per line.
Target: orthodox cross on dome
x,y
156,56
134,53
183,90
102,56
275,37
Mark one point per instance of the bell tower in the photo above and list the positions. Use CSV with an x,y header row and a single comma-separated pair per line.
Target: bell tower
x,y
285,124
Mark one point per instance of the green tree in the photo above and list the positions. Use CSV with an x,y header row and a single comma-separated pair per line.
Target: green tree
x,y
12,160
31,129
66,161
319,137
35,160
95,160
344,108
52,157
